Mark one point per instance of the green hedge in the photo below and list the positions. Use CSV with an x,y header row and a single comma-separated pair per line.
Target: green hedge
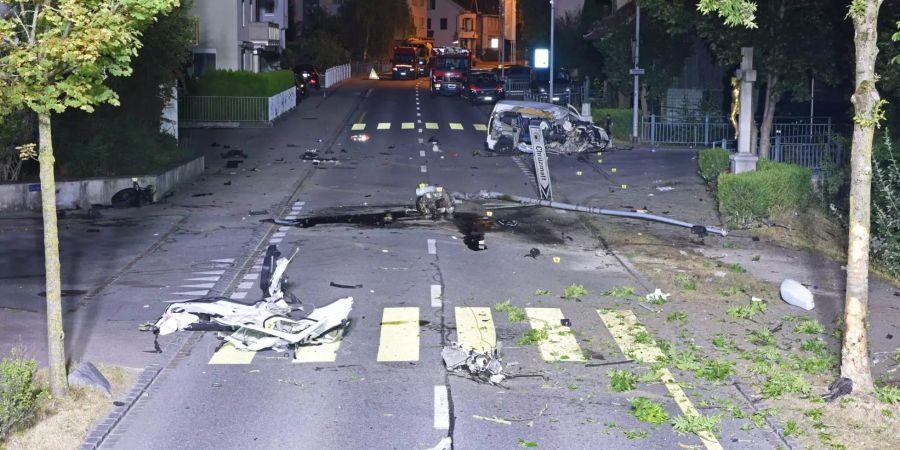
x,y
128,148
713,162
621,117
748,196
235,83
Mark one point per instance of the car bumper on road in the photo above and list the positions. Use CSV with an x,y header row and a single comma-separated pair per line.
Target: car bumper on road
x,y
487,97
451,88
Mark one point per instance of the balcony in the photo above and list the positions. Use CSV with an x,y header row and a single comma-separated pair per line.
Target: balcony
x,y
468,34
264,34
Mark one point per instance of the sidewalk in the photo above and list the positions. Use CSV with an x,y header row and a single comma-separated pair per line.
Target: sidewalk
x,y
118,269
664,181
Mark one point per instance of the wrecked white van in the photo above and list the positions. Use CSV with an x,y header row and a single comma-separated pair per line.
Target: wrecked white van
x,y
565,130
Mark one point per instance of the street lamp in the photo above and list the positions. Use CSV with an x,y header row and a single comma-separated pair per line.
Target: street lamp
x,y
552,22
635,53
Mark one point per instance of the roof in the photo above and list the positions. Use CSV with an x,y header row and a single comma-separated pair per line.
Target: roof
x,y
480,6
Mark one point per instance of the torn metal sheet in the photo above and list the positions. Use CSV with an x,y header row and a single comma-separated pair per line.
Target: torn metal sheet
x,y
486,367
275,322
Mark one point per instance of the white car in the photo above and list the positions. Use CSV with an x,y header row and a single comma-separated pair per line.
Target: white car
x,y
565,130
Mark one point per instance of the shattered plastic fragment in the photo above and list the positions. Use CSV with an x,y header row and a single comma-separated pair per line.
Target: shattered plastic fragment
x,y
796,294
485,367
657,296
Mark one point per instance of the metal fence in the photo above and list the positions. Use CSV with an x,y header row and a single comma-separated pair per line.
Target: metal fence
x,y
223,109
516,89
818,152
336,74
695,132
570,97
242,110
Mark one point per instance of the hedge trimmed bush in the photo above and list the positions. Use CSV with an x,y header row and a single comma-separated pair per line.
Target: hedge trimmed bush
x,y
621,121
713,162
236,83
20,396
748,196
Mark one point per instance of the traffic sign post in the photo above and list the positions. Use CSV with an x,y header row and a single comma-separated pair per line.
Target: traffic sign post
x,y
541,170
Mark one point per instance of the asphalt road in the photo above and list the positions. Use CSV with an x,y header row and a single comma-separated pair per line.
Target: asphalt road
x,y
384,385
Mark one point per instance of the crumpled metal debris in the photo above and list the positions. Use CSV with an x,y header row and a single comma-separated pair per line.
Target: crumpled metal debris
x,y
486,367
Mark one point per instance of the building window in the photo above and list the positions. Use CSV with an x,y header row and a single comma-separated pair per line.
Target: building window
x,y
443,23
431,4
243,14
268,6
429,23
467,24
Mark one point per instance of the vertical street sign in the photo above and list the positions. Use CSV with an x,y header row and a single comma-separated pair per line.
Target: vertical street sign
x,y
541,170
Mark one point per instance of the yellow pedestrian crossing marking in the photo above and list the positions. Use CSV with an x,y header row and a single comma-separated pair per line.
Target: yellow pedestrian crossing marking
x,y
624,327
317,353
455,126
561,344
475,328
228,354
399,335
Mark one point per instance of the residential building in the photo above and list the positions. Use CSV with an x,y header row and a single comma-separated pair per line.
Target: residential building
x,y
442,21
419,12
238,34
472,24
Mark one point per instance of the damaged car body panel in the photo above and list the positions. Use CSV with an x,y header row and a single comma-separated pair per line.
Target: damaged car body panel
x,y
565,130
269,323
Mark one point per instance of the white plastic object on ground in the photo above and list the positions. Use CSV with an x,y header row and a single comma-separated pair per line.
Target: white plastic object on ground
x,y
373,75
657,295
796,294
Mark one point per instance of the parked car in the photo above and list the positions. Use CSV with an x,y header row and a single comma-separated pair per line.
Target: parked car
x,y
305,77
405,63
562,83
485,86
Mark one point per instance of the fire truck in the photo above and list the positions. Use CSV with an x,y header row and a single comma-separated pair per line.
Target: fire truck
x,y
449,67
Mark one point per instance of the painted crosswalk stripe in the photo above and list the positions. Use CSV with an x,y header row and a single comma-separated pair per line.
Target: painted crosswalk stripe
x,y
407,125
624,327
423,169
436,296
422,153
441,408
198,286
432,247
275,241
193,293
456,126
284,229
431,125
280,234
359,126
384,125
203,279
251,276
399,335
244,285
480,127
561,344
223,260
210,272
317,353
238,295
475,328
228,354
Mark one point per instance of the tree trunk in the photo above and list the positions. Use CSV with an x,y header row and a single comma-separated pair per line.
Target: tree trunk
x,y
366,47
866,101
765,129
55,336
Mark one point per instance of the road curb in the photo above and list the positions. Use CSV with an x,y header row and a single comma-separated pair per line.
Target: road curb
x,y
104,427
